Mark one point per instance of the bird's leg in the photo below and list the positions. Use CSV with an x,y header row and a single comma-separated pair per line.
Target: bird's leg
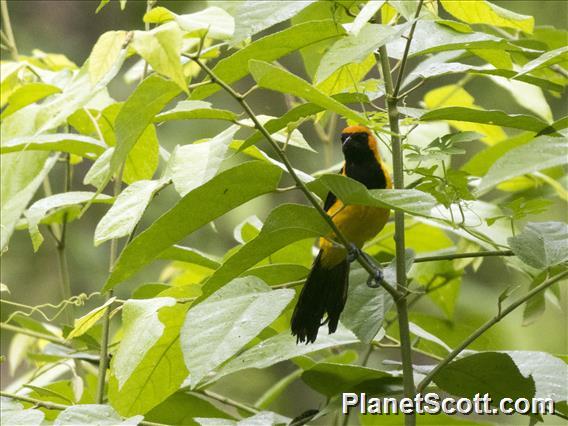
x,y
353,253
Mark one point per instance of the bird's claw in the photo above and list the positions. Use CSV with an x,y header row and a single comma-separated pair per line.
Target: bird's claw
x,y
353,253
375,280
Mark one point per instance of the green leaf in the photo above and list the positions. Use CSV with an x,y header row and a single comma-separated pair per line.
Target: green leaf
x,y
138,112
22,174
493,117
546,59
271,77
181,408
480,163
121,219
191,166
348,77
189,110
40,208
141,330
147,378
84,146
526,95
512,374
281,348
432,37
104,54
423,334
297,114
484,12
278,273
235,67
541,153
221,194
90,414
99,173
536,305
355,48
189,255
489,372
84,324
352,192
28,94
251,18
102,4
365,14
213,21
13,413
161,48
366,307
331,379
429,70
217,328
285,224
542,244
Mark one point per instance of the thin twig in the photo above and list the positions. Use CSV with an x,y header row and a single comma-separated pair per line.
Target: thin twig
x,y
9,33
106,318
464,255
55,406
229,401
500,315
31,333
65,283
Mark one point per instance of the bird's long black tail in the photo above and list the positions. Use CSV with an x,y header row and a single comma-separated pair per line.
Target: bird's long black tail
x,y
324,292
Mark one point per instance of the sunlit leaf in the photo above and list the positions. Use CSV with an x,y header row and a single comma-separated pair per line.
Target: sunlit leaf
x,y
546,59
127,210
83,324
150,367
84,146
541,153
199,207
104,53
188,110
484,12
13,413
542,244
220,326
192,165
235,67
90,414
28,94
281,348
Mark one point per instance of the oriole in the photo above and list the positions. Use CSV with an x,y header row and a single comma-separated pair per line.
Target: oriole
x,y
325,290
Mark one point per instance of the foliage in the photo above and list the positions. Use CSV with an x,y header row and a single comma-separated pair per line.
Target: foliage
x,y
153,353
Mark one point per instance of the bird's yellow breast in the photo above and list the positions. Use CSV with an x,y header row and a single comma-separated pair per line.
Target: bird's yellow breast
x,y
357,223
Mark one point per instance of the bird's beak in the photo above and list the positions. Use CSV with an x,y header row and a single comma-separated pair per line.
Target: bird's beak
x,y
346,140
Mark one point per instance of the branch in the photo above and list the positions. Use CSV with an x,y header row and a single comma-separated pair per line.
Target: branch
x,y
54,406
229,401
394,93
398,172
64,281
37,335
9,33
103,365
452,355
464,255
364,261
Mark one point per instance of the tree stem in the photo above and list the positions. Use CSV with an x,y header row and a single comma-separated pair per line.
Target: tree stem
x,y
229,401
65,283
391,93
500,315
103,365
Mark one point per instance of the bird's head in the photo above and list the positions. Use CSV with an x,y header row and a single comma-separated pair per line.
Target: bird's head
x,y
357,142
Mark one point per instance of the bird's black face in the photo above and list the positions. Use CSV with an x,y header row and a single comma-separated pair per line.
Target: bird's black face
x,y
355,146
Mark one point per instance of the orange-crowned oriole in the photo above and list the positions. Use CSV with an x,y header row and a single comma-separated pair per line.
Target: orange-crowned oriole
x,y
325,290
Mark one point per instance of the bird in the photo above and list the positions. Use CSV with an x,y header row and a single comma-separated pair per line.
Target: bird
x,y
325,290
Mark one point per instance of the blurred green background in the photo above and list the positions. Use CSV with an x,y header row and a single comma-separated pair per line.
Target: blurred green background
x,y
72,27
